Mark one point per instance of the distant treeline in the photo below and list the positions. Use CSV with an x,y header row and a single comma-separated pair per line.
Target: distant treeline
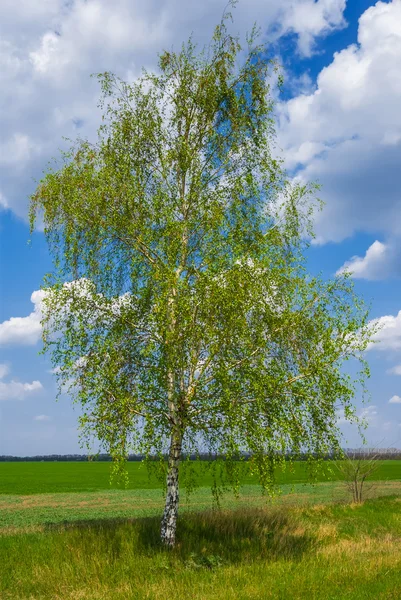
x,y
379,454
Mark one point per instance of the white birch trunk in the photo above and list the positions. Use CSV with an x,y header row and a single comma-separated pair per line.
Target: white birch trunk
x,y
169,521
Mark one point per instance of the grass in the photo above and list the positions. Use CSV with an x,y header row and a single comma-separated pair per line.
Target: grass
x,y
41,511
327,552
73,477
65,535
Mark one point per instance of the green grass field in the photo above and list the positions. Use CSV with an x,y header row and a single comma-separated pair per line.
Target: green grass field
x,y
52,477
65,535
39,512
325,552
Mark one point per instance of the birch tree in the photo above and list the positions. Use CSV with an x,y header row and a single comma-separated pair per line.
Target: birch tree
x,y
180,311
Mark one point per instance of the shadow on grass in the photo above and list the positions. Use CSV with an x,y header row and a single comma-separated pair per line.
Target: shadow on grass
x,y
204,539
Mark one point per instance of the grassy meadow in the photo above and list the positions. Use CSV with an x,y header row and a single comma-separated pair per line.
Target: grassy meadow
x,y
68,477
65,534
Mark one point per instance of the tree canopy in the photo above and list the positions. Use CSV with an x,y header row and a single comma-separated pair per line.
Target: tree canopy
x,y
180,312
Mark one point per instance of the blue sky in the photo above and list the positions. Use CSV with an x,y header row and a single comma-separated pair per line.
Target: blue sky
x,y
338,122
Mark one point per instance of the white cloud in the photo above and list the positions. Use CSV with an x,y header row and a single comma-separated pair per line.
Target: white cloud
x,y
42,418
347,133
3,202
4,370
395,400
369,414
48,50
369,266
26,331
17,150
308,19
395,370
14,390
389,335
341,420
379,262
23,330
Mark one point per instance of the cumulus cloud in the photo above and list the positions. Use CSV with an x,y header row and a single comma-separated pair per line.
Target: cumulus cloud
x,y
24,331
369,414
310,19
389,335
395,400
15,390
395,370
4,370
368,267
341,420
347,132
48,49
42,418
380,261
